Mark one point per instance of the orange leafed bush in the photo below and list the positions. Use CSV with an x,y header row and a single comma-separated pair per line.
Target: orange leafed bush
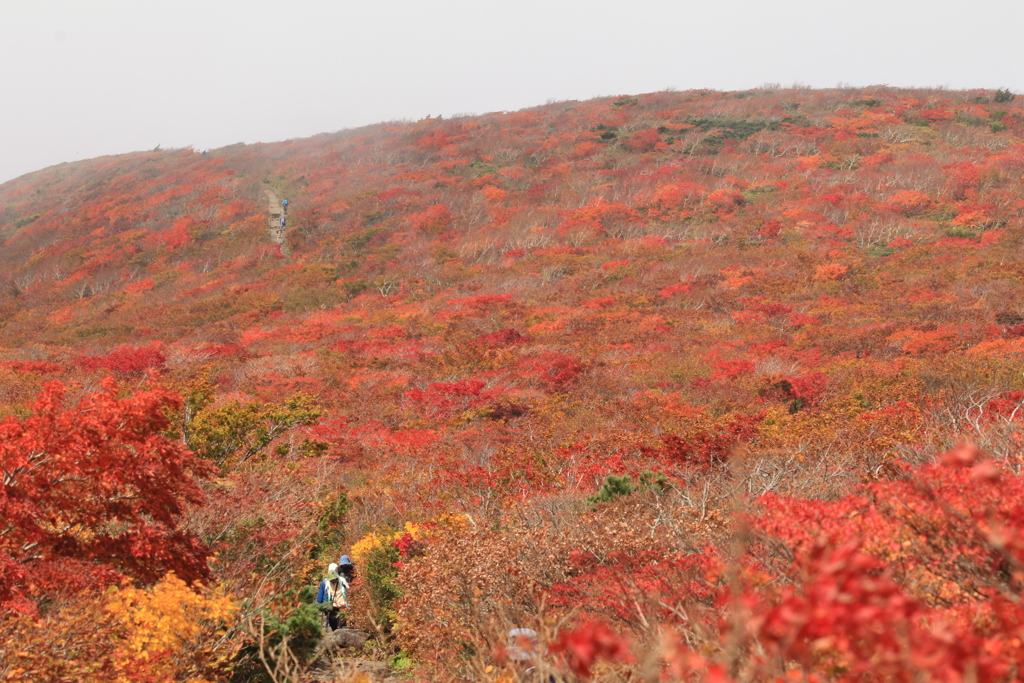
x,y
911,202
831,271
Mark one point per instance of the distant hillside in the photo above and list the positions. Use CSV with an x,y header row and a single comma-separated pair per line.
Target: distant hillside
x,y
436,208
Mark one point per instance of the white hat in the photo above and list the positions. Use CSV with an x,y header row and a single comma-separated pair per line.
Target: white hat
x,y
332,567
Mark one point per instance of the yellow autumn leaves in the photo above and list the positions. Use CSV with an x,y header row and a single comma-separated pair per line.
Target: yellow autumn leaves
x,y
171,626
365,545
370,541
167,633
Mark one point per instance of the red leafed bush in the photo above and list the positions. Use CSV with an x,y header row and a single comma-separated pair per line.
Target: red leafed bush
x,y
504,338
673,290
911,202
126,360
408,548
92,493
32,366
588,643
556,371
445,399
676,202
830,271
140,286
730,369
644,141
599,217
709,446
613,586
770,230
433,220
799,391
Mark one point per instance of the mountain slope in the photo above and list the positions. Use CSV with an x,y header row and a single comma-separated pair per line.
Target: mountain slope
x,y
496,313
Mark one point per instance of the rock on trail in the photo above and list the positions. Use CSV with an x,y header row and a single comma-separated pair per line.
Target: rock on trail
x,y
338,660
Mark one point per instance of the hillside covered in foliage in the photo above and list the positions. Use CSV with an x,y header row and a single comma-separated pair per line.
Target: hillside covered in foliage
x,y
657,376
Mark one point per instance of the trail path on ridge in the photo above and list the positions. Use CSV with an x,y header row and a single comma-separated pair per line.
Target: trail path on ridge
x,y
338,661
274,212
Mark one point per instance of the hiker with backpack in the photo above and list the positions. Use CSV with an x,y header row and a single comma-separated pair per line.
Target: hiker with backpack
x,y
284,206
523,652
347,569
333,598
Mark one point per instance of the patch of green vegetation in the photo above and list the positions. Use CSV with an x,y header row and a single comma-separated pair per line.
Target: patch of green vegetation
x,y
353,288
478,169
381,576
959,231
799,120
330,528
759,192
1004,95
968,120
739,129
99,330
401,661
307,298
618,487
27,220
878,251
359,240
299,632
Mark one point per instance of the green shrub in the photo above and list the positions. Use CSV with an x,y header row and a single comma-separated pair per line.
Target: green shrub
x,y
958,231
27,220
1004,96
616,487
353,288
300,632
330,529
380,573
613,487
401,661
360,239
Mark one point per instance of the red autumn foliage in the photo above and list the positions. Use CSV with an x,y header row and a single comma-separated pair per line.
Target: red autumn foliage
x,y
126,360
589,643
37,366
556,371
706,447
94,492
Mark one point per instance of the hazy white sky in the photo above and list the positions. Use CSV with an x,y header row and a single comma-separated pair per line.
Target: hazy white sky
x,y
83,78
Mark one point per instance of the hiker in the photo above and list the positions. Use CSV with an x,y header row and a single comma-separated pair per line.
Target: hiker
x,y
282,221
522,654
284,205
333,598
347,569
